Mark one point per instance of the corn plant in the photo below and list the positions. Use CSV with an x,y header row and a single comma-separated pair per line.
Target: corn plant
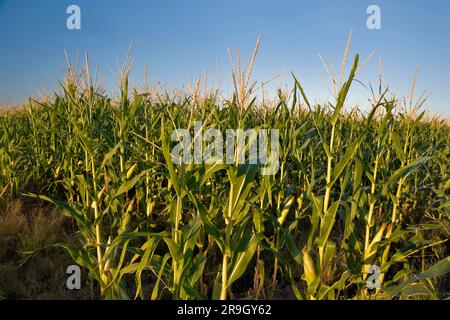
x,y
354,189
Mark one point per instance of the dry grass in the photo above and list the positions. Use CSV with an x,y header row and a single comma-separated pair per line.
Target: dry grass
x,y
40,275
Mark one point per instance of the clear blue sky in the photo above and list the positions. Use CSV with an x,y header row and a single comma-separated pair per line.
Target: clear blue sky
x,y
180,39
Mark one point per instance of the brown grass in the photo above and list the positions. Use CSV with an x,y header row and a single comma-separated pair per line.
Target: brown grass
x,y
30,268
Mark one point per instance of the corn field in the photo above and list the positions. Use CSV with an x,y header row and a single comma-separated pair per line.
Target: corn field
x,y
354,190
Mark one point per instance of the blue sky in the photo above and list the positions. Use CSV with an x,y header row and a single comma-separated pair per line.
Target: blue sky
x,y
180,39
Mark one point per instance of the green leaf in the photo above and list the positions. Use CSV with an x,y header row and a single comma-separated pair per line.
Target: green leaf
x,y
327,224
344,91
149,249
128,184
301,91
404,172
210,228
241,183
169,163
439,269
243,260
398,147
349,154
209,170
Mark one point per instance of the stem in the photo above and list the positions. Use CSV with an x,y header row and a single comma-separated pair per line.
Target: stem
x,y
177,218
122,164
394,209
176,239
372,206
147,159
98,238
223,291
274,279
329,170
326,199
